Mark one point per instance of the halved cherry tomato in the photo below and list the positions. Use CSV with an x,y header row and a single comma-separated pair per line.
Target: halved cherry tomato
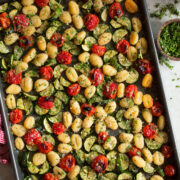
x,y
45,102
46,72
45,147
91,21
73,89
157,109
16,116
167,151
131,90
133,151
115,10
102,137
49,176
20,22
96,77
32,137
170,170
99,50
4,20
13,77
67,163
58,128
64,57
100,163
87,110
25,41
110,90
144,66
42,3
150,131
57,40
122,46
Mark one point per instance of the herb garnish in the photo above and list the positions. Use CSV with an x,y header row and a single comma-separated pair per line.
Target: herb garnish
x,y
164,61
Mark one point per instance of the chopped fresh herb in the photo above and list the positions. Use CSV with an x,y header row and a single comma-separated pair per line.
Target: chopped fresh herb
x,y
165,62
177,86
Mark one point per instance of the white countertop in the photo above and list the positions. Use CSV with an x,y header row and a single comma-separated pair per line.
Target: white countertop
x,y
172,93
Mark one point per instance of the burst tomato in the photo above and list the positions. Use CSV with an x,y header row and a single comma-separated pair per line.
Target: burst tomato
x,y
4,20
46,72
45,102
13,77
96,77
87,110
100,163
67,163
64,57
115,10
130,91
102,137
157,109
167,151
45,147
122,46
20,22
42,3
133,151
16,116
150,131
32,137
170,170
73,89
57,40
144,66
91,21
110,90
25,41
49,176
99,50
58,128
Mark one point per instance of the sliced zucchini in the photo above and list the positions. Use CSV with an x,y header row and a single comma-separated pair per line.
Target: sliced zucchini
x,y
85,133
124,61
3,7
64,82
75,51
80,157
3,48
31,177
89,157
23,157
85,47
56,119
32,168
125,176
58,70
62,96
87,5
48,91
124,21
111,160
32,148
54,5
56,23
20,104
148,168
43,27
48,138
30,97
133,76
50,31
3,64
125,124
140,176
40,111
99,90
31,73
119,115
17,5
57,85
89,143
98,148
100,29
87,173
122,162
111,176
84,68
68,46
45,168
47,126
133,168
18,52
57,107
153,145
104,14
119,34
13,13
115,24
51,62
109,54
80,98
28,106
88,42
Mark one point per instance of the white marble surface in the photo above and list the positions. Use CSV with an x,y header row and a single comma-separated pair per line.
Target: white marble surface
x,y
172,93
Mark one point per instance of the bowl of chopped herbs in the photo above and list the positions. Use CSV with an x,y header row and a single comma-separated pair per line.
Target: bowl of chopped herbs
x,y
168,39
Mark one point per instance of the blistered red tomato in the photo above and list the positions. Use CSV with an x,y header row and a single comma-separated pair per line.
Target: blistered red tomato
x,y
42,3
49,176
20,22
170,170
122,46
57,40
167,151
100,163
67,163
32,137
115,10
16,116
150,131
102,137
13,77
25,41
73,89
131,90
110,90
4,20
133,151
58,128
46,72
99,50
96,77
91,21
144,66
87,110
45,102
157,109
64,57
45,147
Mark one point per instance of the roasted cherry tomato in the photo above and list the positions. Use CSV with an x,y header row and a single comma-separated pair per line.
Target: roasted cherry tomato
x,y
20,22
67,163
133,151
99,50
25,41
4,20
64,57
57,40
150,131
110,90
169,170
96,77
122,46
130,91
45,102
87,110
16,116
157,109
100,163
45,147
32,137
46,72
58,128
13,77
73,89
115,10
167,151
49,176
42,3
91,21
102,137
144,66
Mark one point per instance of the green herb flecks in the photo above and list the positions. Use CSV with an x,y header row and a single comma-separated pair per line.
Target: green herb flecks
x,y
165,62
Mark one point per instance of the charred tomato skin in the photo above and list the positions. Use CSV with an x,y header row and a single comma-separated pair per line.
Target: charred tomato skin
x,y
49,176
144,66
122,46
169,170
13,77
57,40
131,90
73,89
115,10
99,50
25,41
64,57
157,109
91,21
167,151
102,137
46,72
45,147
96,77
150,131
87,110
134,151
58,128
110,90
16,116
